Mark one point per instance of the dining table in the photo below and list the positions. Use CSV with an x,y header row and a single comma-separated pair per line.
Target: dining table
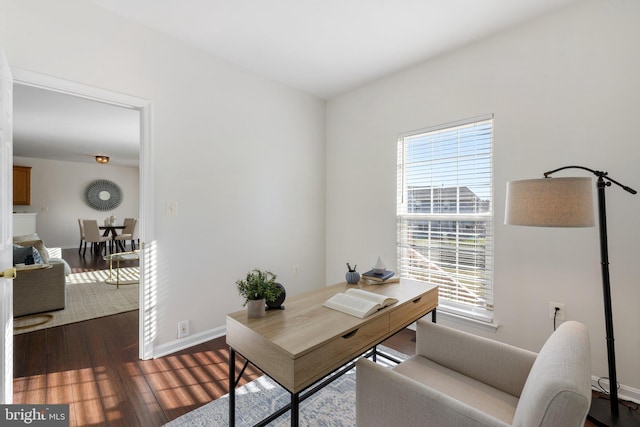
x,y
113,229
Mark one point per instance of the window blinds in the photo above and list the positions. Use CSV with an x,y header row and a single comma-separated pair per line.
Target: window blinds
x,y
445,213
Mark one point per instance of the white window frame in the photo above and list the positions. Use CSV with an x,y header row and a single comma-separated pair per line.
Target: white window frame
x,y
414,261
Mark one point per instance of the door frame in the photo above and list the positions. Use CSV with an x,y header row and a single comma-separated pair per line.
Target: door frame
x,y
6,230
146,332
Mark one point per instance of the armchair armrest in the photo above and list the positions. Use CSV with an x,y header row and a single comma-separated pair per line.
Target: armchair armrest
x,y
497,364
387,398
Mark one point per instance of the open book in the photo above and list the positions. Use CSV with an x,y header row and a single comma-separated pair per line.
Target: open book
x,y
359,303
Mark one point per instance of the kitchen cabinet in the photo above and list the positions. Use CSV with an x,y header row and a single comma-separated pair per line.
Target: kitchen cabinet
x,y
22,185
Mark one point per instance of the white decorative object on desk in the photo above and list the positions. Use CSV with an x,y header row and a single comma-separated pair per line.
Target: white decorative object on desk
x,y
379,268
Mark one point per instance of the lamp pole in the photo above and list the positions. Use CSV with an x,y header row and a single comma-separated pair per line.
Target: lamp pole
x,y
598,412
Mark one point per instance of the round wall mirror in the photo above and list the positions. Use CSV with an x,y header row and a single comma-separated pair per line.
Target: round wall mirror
x,y
103,195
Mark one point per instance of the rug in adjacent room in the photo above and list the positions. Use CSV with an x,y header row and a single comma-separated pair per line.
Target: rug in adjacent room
x,y
87,297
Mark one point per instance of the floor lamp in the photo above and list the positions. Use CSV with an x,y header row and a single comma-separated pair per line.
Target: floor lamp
x,y
568,202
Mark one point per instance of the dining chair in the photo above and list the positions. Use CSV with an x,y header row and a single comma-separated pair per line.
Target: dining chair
x,y
127,234
92,234
82,240
135,241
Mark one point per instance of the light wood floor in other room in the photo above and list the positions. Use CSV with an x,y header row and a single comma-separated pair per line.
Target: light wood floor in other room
x,y
93,366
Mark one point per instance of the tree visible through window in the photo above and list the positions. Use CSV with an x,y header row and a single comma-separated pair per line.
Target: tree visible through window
x,y
445,213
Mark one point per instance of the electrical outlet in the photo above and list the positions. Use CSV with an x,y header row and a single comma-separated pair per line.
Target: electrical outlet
x,y
562,312
183,329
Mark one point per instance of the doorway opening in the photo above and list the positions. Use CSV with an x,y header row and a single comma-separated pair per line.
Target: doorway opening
x,y
145,209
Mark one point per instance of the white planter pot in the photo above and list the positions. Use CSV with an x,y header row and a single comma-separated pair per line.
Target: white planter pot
x,y
256,308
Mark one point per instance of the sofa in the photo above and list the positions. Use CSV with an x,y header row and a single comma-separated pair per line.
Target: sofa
x,y
463,380
43,289
39,291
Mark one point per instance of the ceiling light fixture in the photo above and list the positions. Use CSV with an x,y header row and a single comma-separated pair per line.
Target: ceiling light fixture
x,y
102,159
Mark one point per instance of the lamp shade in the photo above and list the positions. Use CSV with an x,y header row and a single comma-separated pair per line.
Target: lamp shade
x,y
550,202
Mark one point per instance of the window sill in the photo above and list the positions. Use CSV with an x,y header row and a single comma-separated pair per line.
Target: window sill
x,y
454,320
457,319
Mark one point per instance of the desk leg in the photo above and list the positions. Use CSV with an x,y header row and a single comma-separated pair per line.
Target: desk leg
x,y
295,406
232,387
433,316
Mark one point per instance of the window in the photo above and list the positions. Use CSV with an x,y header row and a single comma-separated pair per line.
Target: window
x,y
445,213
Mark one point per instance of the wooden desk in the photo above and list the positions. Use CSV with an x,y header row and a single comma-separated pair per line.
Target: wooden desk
x,y
305,342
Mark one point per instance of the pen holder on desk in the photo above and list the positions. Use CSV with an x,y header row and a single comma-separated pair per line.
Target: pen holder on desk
x,y
352,277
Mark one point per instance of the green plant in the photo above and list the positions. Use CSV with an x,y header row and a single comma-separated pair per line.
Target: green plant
x,y
257,285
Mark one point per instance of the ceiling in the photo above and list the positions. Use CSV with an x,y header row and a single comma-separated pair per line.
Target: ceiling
x,y
322,47
327,47
57,126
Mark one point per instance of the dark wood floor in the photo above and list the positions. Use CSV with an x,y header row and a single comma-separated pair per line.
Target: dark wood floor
x,y
89,262
93,366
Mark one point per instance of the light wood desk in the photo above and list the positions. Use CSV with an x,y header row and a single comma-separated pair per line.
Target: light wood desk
x,y
303,343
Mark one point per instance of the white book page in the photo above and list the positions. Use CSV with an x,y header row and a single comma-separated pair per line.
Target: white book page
x,y
383,300
351,305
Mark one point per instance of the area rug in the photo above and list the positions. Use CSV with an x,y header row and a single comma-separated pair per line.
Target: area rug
x,y
88,297
332,406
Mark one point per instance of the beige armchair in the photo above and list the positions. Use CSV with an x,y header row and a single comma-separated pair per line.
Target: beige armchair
x,y
459,379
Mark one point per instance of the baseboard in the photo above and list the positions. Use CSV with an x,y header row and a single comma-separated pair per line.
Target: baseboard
x,y
190,341
624,392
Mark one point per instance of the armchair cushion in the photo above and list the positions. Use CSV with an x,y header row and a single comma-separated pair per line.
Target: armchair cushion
x,y
386,398
465,389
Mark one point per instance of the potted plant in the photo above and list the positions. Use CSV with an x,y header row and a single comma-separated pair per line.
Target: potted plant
x,y
257,288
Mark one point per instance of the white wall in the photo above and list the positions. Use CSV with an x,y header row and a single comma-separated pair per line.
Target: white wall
x,y
58,197
564,90
242,156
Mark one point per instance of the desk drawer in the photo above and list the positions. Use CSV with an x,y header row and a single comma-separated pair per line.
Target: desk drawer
x,y
335,353
412,310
